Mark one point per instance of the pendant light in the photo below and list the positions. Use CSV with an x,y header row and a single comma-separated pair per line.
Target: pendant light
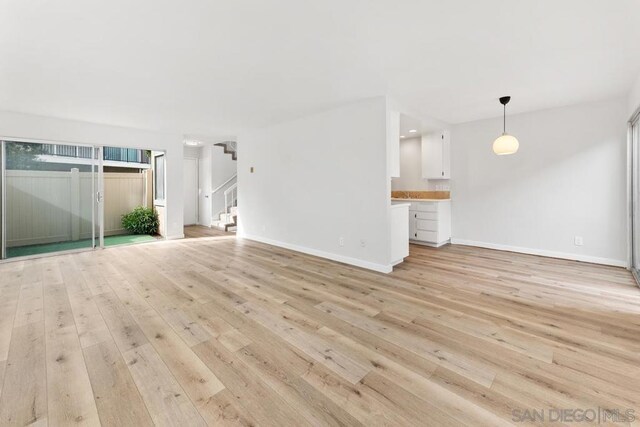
x,y
505,144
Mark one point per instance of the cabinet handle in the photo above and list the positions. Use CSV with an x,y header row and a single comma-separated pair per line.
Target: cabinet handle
x,y
415,215
416,235
442,173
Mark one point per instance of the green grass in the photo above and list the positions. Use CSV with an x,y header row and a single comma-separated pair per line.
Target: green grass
x,y
126,239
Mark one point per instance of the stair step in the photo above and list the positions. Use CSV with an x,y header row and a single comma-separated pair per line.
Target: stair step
x,y
228,219
224,227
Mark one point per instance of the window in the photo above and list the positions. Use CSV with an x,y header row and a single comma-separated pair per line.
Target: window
x,y
158,163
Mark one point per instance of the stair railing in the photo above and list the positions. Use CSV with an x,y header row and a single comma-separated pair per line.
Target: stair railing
x,y
230,198
221,186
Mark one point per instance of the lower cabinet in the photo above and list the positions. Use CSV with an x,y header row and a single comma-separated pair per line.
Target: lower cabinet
x,y
430,222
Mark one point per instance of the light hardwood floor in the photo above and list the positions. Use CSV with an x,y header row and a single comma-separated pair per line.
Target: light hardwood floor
x,y
214,330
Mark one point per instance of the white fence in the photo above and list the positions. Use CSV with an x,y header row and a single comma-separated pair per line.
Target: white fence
x,y
46,207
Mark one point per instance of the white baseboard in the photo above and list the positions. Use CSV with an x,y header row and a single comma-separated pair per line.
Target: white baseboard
x,y
381,268
175,237
541,252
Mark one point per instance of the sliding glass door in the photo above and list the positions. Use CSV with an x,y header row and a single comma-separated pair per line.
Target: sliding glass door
x,y
59,197
51,198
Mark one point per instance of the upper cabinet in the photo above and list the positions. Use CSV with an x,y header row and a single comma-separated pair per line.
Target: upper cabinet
x,y
393,143
436,149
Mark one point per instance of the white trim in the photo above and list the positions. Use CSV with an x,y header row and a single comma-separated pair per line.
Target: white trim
x,y
630,188
381,268
51,158
542,252
3,202
101,200
175,237
159,202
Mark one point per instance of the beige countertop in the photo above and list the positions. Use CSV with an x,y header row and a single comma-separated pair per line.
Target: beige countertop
x,y
394,199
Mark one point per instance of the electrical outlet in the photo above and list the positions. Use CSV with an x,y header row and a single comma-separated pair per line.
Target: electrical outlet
x,y
341,241
363,243
578,241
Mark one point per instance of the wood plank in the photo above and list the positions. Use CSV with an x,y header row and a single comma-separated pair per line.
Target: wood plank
x,y
24,394
125,331
270,367
167,402
91,327
422,347
69,393
117,397
10,284
256,398
315,347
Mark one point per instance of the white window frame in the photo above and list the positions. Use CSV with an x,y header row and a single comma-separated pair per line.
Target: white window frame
x,y
163,200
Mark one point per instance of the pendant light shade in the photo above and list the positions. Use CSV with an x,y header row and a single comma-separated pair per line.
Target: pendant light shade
x,y
505,144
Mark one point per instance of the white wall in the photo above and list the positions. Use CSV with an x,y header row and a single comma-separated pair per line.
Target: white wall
x,y
25,126
634,97
192,152
410,167
568,179
318,178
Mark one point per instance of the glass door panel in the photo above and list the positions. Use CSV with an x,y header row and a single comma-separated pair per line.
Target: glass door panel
x,y
49,198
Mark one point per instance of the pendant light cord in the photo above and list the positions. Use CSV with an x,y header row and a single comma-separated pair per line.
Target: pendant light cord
x,y
504,119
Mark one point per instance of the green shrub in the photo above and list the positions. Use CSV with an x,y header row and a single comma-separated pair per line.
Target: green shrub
x,y
141,221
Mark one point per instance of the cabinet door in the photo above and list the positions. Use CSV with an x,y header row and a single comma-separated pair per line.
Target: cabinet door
x,y
431,157
436,156
412,225
446,155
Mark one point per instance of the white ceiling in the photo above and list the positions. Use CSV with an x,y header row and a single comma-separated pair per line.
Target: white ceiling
x,y
409,124
215,67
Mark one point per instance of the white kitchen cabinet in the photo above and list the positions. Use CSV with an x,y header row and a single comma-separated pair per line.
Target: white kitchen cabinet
x,y
436,155
430,222
399,230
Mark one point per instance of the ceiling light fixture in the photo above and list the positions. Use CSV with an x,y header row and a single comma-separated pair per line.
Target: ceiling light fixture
x,y
505,144
192,143
413,131
401,136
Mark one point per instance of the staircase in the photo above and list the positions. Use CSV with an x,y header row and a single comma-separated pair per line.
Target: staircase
x,y
230,147
228,219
